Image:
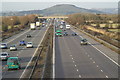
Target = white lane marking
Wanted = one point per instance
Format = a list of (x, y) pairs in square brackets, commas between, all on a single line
[(75, 65), (104, 54), (54, 54), (73, 61), (81, 37), (77, 70), (70, 55), (101, 70), (88, 55), (72, 58), (90, 58), (18, 36), (93, 61), (79, 76), (97, 66), (106, 76), (33, 55)]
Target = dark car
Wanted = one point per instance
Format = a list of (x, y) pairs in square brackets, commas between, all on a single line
[(28, 35), (65, 34), (21, 43), (74, 34)]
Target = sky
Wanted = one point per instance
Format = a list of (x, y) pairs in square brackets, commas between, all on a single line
[(14, 5), (60, 0)]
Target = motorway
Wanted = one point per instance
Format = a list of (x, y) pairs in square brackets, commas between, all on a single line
[(25, 54), (73, 60)]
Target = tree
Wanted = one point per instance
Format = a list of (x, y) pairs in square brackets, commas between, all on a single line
[(4, 27), (97, 25)]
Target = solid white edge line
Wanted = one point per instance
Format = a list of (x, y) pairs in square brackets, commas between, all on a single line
[(33, 54), (101, 52), (54, 54), (104, 54)]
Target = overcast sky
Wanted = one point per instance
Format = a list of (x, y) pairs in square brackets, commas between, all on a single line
[(14, 5), (60, 0)]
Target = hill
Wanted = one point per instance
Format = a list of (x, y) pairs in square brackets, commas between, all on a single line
[(62, 9)]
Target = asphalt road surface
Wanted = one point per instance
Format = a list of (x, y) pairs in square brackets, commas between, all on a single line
[(73, 60), (25, 54)]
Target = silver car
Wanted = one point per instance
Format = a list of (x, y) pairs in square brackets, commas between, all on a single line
[(83, 42), (4, 55)]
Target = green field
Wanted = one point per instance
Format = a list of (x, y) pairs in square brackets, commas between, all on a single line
[(114, 30), (103, 25)]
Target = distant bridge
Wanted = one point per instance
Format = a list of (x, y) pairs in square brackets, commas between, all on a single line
[(52, 17)]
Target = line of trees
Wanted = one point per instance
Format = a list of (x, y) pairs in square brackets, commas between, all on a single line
[(87, 18), (22, 21)]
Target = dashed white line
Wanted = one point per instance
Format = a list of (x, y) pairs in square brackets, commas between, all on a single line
[(90, 58), (93, 61), (73, 61), (77, 70), (79, 76), (104, 54), (70, 55), (72, 58), (106, 76), (75, 65), (101, 70), (97, 66)]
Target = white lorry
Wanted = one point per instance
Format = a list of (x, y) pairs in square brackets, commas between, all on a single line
[(67, 26), (37, 24), (32, 26)]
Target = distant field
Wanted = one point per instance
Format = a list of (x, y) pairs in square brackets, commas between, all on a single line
[(114, 30), (9, 27), (103, 25)]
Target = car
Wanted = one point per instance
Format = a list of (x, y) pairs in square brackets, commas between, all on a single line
[(61, 26), (22, 43), (83, 42), (4, 56), (29, 45), (74, 34), (58, 33), (65, 34), (28, 35), (13, 48), (13, 63), (3, 46)]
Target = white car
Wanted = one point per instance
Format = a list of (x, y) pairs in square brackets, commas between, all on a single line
[(67, 26), (61, 26), (3, 46), (13, 48), (29, 45), (4, 55)]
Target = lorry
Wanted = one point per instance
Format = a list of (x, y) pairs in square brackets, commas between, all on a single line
[(67, 26), (37, 24), (32, 26)]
